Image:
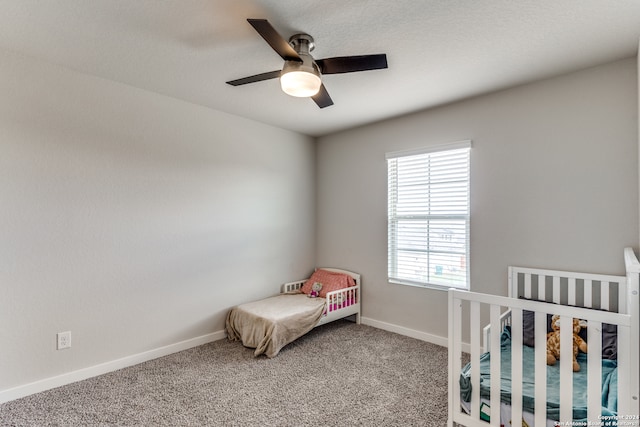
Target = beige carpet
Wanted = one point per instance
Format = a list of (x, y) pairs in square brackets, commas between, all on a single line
[(340, 374)]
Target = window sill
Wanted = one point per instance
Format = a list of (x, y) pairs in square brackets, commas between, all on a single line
[(425, 285)]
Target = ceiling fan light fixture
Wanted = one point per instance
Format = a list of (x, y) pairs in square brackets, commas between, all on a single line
[(300, 80), (300, 83)]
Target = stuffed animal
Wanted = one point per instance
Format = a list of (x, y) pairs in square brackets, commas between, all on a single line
[(553, 342), (315, 290)]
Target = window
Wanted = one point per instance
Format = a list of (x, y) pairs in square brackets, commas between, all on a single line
[(428, 217)]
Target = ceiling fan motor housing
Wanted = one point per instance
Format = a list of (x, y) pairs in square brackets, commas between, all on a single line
[(302, 44)]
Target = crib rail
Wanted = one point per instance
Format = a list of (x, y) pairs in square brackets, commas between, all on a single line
[(505, 320), (496, 306), (600, 291)]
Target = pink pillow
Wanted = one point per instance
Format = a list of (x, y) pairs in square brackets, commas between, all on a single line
[(330, 280)]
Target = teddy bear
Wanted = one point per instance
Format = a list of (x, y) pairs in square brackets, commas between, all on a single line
[(315, 290), (553, 342)]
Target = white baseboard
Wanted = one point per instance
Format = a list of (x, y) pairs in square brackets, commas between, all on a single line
[(103, 368), (423, 336)]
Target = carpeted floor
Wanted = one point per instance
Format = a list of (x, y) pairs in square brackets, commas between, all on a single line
[(340, 374)]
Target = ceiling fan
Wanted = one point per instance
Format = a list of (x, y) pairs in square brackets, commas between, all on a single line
[(301, 75)]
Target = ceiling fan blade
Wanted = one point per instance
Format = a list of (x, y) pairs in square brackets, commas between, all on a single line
[(350, 64), (322, 98), (275, 40), (256, 78)]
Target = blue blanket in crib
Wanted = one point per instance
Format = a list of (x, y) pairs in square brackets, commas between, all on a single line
[(609, 382)]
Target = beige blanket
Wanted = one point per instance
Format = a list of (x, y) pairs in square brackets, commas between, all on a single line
[(270, 324)]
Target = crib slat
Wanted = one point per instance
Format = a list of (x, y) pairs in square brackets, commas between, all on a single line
[(622, 300), (566, 369), (604, 296), (624, 361), (512, 277), (455, 354), (588, 293), (474, 319), (594, 374), (556, 289), (542, 287), (495, 365), (540, 370), (572, 290), (516, 367), (527, 286)]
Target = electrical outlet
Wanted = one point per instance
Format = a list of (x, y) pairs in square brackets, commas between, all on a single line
[(64, 340)]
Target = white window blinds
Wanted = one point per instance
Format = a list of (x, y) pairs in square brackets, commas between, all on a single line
[(428, 216)]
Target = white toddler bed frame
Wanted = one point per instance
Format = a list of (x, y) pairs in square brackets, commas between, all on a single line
[(339, 304), (595, 298)]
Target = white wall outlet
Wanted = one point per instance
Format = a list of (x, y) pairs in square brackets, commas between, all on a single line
[(64, 340)]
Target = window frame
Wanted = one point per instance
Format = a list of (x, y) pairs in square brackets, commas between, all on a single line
[(393, 275)]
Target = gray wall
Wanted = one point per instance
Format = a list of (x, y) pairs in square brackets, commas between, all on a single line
[(554, 183), (135, 220)]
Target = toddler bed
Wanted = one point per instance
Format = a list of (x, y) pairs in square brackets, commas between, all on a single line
[(271, 323), (605, 390)]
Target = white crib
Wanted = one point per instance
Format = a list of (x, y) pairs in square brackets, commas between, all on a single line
[(596, 298)]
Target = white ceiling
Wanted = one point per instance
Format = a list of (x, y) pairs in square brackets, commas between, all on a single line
[(438, 51)]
